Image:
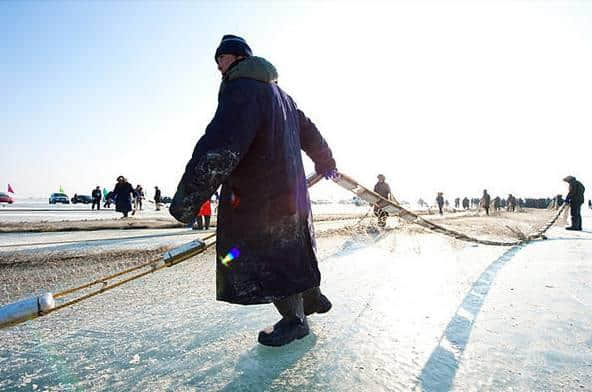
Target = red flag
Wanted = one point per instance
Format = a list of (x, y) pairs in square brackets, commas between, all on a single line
[(10, 190)]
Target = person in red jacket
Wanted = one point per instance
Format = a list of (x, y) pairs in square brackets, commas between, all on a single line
[(203, 216)]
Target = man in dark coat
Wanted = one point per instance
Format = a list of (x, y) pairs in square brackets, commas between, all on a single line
[(485, 201), (265, 247), (511, 203), (575, 199), (384, 190), (440, 202), (157, 198), (96, 198), (465, 203), (496, 203), (123, 193)]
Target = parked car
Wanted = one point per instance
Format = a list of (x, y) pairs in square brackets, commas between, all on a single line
[(4, 198), (166, 200), (59, 198), (85, 199)]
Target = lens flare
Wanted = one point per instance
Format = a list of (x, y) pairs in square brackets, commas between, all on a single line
[(233, 254)]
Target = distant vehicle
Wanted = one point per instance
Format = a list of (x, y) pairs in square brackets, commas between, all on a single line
[(59, 198), (85, 199), (166, 200), (4, 198)]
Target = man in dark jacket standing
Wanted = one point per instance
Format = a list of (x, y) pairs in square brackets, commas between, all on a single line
[(575, 199), (440, 202), (485, 201), (265, 247), (96, 198), (157, 198)]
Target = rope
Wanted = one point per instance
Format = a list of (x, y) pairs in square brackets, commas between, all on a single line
[(127, 271), (121, 282), (373, 198)]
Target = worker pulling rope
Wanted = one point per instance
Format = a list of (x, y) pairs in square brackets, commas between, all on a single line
[(31, 308)]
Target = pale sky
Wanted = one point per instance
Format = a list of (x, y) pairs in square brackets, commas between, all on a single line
[(438, 96)]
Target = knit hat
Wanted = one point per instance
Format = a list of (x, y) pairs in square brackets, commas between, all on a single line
[(569, 179), (232, 44)]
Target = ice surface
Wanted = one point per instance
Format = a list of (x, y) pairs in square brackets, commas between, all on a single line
[(410, 312)]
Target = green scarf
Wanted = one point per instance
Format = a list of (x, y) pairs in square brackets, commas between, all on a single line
[(256, 68)]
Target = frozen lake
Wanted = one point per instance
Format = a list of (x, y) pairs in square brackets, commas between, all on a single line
[(411, 312)]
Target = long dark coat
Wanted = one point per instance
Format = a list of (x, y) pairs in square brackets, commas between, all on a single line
[(265, 237), (576, 192), (123, 193)]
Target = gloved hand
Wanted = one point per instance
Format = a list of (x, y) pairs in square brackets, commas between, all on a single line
[(330, 174)]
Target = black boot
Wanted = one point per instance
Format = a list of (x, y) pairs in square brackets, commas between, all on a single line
[(315, 302), (292, 326)]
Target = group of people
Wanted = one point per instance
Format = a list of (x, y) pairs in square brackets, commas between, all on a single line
[(484, 202), (126, 198), (575, 198)]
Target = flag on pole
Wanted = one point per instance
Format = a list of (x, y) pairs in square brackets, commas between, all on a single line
[(10, 190), (61, 189)]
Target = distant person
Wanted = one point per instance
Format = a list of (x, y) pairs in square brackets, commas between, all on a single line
[(108, 200), (440, 202), (465, 203), (496, 204), (457, 202), (96, 198), (575, 199), (123, 193), (485, 201), (384, 190), (139, 191), (203, 216), (420, 202), (511, 203), (590, 204), (157, 198)]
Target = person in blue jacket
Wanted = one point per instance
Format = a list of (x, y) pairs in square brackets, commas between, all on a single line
[(266, 251)]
